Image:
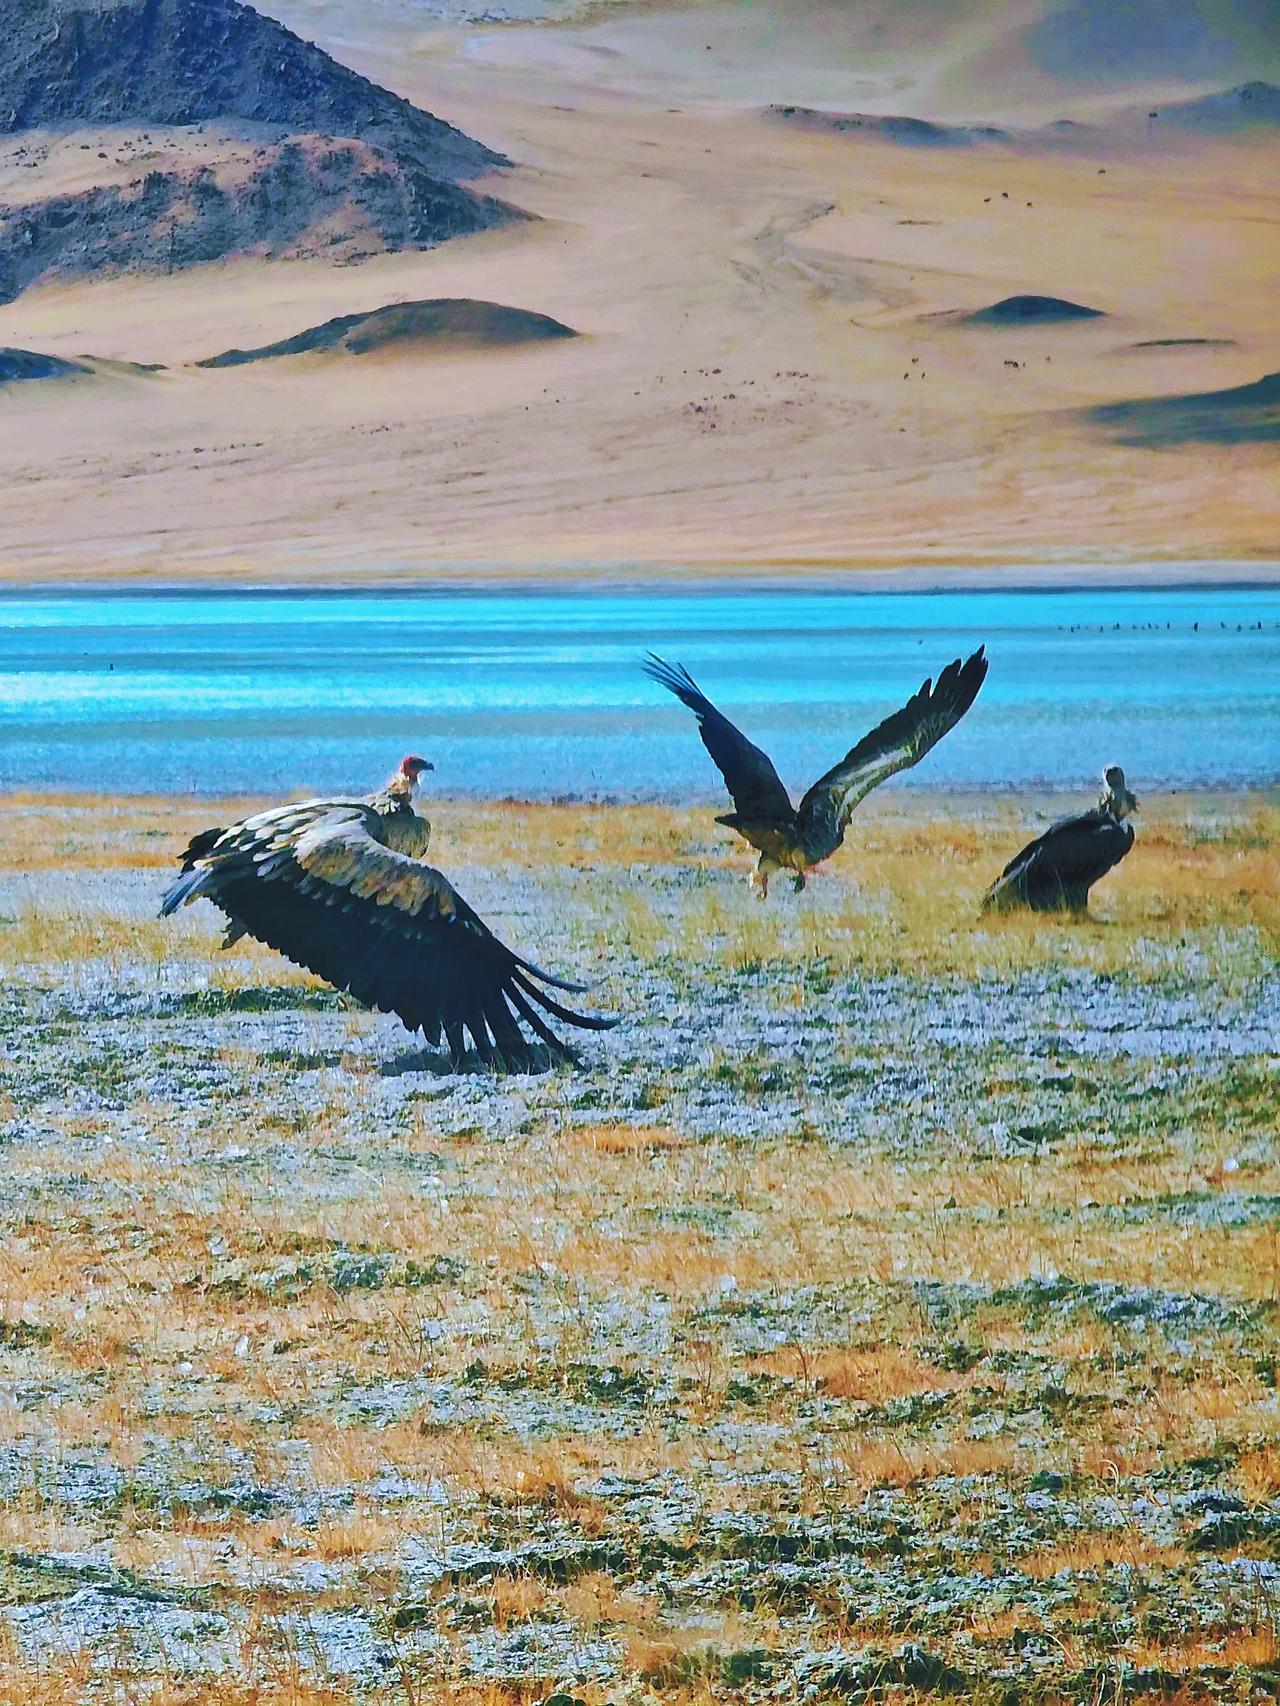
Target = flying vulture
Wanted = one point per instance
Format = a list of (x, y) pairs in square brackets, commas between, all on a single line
[(341, 887), (797, 840), (1055, 872)]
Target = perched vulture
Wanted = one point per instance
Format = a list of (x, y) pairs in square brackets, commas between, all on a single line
[(341, 887), (797, 840), (1055, 872)]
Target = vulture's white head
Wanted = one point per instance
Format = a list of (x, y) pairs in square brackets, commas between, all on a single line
[(1116, 797)]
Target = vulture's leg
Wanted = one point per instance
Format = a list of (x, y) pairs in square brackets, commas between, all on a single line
[(798, 882), (759, 878)]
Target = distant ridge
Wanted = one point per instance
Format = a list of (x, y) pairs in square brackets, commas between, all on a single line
[(914, 132), (445, 322), (1242, 414), (1248, 106), (1241, 109)]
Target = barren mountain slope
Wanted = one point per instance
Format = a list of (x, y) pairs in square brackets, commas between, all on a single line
[(92, 63), (776, 369), (201, 129)]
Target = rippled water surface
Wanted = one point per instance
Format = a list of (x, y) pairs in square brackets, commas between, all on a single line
[(540, 693)]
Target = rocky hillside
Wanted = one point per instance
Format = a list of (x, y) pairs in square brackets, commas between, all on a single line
[(304, 196), (176, 62), (236, 136)]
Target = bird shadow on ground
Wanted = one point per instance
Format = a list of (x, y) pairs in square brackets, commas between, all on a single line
[(438, 1065), (420, 1060)]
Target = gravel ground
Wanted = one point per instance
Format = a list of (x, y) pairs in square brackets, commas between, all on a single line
[(820, 1334)]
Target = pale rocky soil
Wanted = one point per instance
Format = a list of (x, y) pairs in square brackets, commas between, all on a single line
[(888, 1301)]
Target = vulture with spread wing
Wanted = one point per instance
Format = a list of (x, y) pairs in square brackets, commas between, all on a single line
[(341, 887), (1055, 872), (794, 839)]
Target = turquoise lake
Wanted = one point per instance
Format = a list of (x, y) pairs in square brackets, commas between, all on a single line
[(540, 694)]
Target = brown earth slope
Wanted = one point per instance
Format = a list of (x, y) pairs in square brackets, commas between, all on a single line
[(777, 370)]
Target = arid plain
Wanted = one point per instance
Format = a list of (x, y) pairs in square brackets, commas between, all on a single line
[(772, 368)]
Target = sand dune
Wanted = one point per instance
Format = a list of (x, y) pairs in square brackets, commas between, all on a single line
[(964, 60)]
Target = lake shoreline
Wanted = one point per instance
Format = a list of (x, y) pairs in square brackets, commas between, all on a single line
[(678, 580), (905, 804)]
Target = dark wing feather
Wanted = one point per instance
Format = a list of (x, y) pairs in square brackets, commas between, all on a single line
[(313, 882), (1056, 871), (897, 743), (748, 772)]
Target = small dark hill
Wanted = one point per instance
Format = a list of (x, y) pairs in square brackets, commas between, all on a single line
[(178, 62), (1029, 311), (21, 364), (909, 132), (1244, 414), (442, 323)]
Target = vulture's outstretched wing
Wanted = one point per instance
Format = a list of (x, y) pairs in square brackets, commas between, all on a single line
[(313, 882), (1055, 872), (748, 772), (900, 741)]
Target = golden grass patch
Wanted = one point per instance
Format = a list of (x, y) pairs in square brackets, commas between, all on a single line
[(870, 1375), (624, 1139)]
